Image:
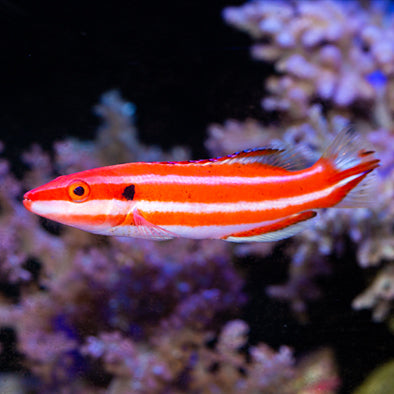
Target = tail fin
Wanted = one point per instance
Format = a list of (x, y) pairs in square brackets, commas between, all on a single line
[(353, 162)]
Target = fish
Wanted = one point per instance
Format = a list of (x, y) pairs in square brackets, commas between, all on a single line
[(261, 194)]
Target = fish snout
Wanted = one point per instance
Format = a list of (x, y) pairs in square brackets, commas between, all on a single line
[(28, 200)]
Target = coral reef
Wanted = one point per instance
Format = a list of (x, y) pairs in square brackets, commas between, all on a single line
[(105, 314), (369, 228), (333, 60), (112, 315), (330, 51)]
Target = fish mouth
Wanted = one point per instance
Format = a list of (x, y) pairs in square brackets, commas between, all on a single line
[(27, 202)]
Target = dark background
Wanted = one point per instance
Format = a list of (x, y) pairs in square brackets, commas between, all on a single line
[(177, 61), (184, 69)]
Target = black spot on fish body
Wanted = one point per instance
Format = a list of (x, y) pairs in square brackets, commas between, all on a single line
[(128, 192)]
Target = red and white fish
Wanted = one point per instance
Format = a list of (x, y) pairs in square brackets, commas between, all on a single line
[(256, 195)]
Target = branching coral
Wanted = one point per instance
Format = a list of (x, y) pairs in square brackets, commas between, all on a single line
[(379, 295), (116, 141), (96, 314), (123, 315), (369, 228), (142, 299), (340, 55), (183, 360), (322, 51)]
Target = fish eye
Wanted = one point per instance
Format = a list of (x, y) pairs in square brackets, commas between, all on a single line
[(78, 191)]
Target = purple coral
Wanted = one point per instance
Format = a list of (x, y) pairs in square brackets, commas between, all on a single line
[(84, 324), (323, 50), (129, 315), (339, 54)]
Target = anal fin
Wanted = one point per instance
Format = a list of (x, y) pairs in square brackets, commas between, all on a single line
[(274, 231)]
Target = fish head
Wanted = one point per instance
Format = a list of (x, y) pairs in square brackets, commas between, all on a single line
[(82, 200)]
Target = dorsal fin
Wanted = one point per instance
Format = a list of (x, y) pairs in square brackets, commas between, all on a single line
[(273, 156)]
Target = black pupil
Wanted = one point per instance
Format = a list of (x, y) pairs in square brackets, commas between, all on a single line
[(79, 191)]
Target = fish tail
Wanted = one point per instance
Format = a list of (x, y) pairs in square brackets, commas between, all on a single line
[(352, 163)]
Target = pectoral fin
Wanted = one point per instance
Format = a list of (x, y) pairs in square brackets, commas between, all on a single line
[(274, 231), (148, 230)]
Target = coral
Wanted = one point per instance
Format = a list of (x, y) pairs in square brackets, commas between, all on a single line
[(183, 360), (330, 51), (15, 225), (379, 295), (235, 136), (119, 315), (116, 141), (369, 228), (134, 299), (102, 314), (88, 286), (338, 54)]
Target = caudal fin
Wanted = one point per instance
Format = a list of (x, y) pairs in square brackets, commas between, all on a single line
[(353, 163)]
